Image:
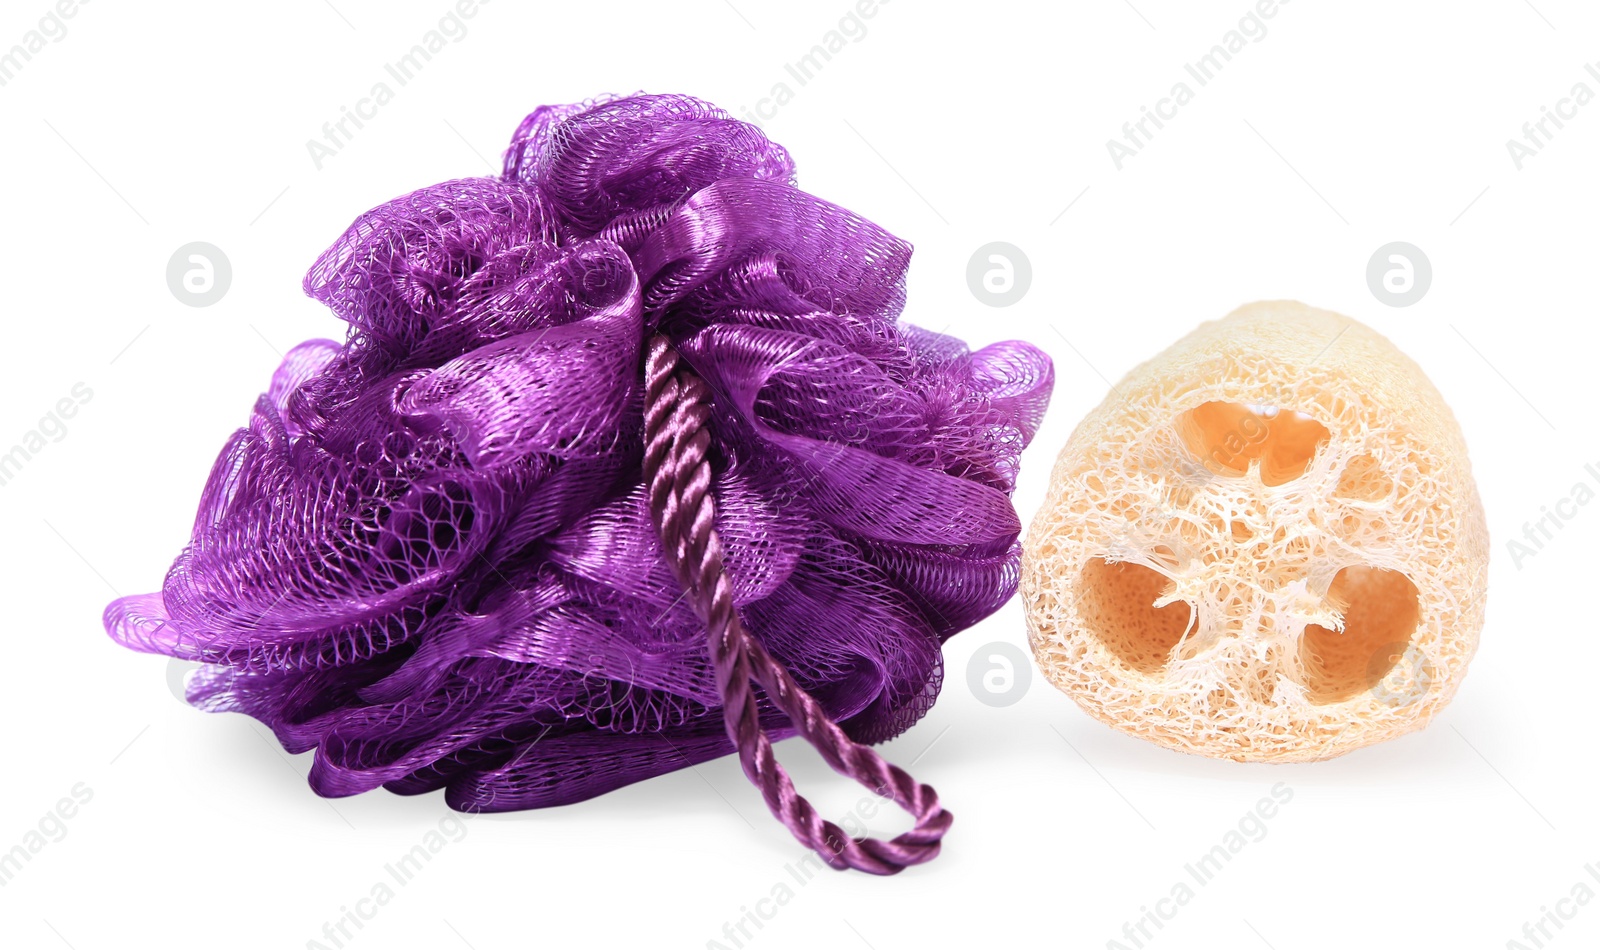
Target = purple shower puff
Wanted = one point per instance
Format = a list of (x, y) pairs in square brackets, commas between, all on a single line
[(429, 555)]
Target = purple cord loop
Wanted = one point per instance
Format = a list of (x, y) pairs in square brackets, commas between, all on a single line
[(677, 413), (475, 548)]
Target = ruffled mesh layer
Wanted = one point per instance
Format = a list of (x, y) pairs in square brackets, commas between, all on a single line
[(428, 556)]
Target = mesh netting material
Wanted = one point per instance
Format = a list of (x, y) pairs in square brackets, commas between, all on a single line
[(429, 556)]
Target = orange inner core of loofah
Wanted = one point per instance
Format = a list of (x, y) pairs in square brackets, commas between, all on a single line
[(1380, 615), (1117, 603), (1379, 607), (1229, 437)]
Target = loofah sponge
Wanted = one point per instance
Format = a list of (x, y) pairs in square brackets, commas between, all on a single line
[(1265, 544)]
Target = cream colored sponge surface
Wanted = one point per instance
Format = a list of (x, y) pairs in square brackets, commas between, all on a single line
[(1265, 544)]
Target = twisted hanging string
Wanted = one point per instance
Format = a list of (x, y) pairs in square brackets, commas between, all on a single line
[(679, 477)]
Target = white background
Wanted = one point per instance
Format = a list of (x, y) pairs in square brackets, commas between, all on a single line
[(1347, 126)]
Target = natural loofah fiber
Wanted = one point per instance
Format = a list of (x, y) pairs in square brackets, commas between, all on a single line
[(1264, 545)]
